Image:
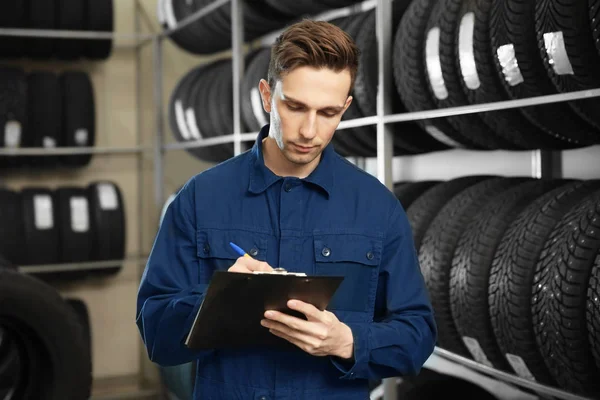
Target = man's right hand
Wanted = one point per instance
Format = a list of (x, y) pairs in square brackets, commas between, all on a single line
[(249, 265)]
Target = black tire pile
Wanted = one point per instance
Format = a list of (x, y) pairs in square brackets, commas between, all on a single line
[(45, 341), (446, 53), (512, 265), (78, 15), (212, 32), (69, 224), (43, 109)]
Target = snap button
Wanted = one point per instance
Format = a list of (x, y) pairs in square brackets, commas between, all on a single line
[(253, 251), (370, 255), (206, 248), (288, 187), (326, 252)]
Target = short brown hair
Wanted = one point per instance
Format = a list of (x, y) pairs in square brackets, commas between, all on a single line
[(315, 44)]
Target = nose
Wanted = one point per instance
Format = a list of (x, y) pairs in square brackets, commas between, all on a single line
[(308, 129)]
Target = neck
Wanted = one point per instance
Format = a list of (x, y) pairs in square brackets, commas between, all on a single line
[(281, 166)]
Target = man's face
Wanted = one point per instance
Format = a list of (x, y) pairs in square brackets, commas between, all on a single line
[(305, 109)]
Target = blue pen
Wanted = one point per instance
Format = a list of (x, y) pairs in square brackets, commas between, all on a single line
[(239, 250)]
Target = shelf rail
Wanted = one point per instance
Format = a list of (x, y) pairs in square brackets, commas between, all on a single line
[(78, 266), (504, 376), (57, 151), (409, 116)]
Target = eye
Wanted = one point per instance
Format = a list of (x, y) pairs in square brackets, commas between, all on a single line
[(329, 115), (293, 108)]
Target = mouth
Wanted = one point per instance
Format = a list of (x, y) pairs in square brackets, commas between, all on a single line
[(303, 149)]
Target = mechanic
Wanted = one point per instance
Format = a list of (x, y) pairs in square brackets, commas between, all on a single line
[(292, 202)]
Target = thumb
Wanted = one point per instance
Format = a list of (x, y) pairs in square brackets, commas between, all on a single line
[(256, 265)]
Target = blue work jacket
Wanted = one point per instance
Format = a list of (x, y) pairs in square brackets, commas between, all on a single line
[(339, 220)]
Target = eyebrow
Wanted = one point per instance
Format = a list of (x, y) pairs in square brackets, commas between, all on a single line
[(331, 108)]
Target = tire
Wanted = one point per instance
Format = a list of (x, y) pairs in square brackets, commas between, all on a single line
[(45, 116), (512, 274), (43, 14), (471, 266), (108, 225), (79, 115), (407, 135), (573, 66), (424, 209), (408, 193), (523, 75), (409, 74), (12, 235), (482, 85), (595, 21), (54, 362), (99, 17), (560, 286), (39, 219), (83, 317), (593, 311), (13, 112), (438, 248), (443, 79), (71, 16)]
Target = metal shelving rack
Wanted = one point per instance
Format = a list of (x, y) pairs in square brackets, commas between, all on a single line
[(543, 163)]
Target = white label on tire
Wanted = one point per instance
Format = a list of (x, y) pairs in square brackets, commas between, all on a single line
[(12, 134), (180, 119), (81, 136), (42, 210), (466, 55), (257, 108), (170, 14), (510, 65), (518, 364), (49, 142), (107, 196), (434, 66), (476, 351), (442, 137), (190, 117), (160, 11), (557, 53), (80, 220)]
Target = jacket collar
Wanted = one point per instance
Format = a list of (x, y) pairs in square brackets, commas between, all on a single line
[(262, 177)]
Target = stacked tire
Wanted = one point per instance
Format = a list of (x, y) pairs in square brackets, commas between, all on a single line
[(212, 32), (78, 15), (42, 109), (42, 226), (512, 265), (45, 341)]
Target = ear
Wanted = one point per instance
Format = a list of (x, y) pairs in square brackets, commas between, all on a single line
[(265, 94), (348, 102)]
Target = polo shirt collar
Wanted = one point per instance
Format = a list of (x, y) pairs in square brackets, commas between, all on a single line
[(262, 177)]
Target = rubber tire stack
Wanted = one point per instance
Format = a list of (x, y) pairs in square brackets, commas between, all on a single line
[(512, 265)]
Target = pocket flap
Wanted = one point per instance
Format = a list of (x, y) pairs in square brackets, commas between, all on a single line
[(347, 248), (214, 243)]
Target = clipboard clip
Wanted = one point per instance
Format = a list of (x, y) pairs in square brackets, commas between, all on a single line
[(279, 271)]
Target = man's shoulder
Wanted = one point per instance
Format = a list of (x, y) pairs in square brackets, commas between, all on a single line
[(225, 171), (355, 179)]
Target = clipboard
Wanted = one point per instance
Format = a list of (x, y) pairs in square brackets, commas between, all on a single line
[(235, 303)]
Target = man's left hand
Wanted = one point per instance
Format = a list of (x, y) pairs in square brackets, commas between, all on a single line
[(321, 335)]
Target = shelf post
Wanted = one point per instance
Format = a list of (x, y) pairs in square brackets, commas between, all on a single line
[(384, 31), (383, 24), (237, 41), (546, 164), (158, 111)]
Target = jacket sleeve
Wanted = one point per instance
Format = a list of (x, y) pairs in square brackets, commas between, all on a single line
[(403, 334), (170, 294)]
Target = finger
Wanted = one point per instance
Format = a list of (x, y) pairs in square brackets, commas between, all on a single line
[(254, 265), (308, 348), (291, 321), (303, 336), (307, 309)]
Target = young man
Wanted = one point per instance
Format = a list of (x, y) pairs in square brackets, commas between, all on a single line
[(292, 202)]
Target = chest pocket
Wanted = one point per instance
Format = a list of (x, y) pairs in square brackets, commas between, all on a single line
[(216, 254), (356, 258)]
